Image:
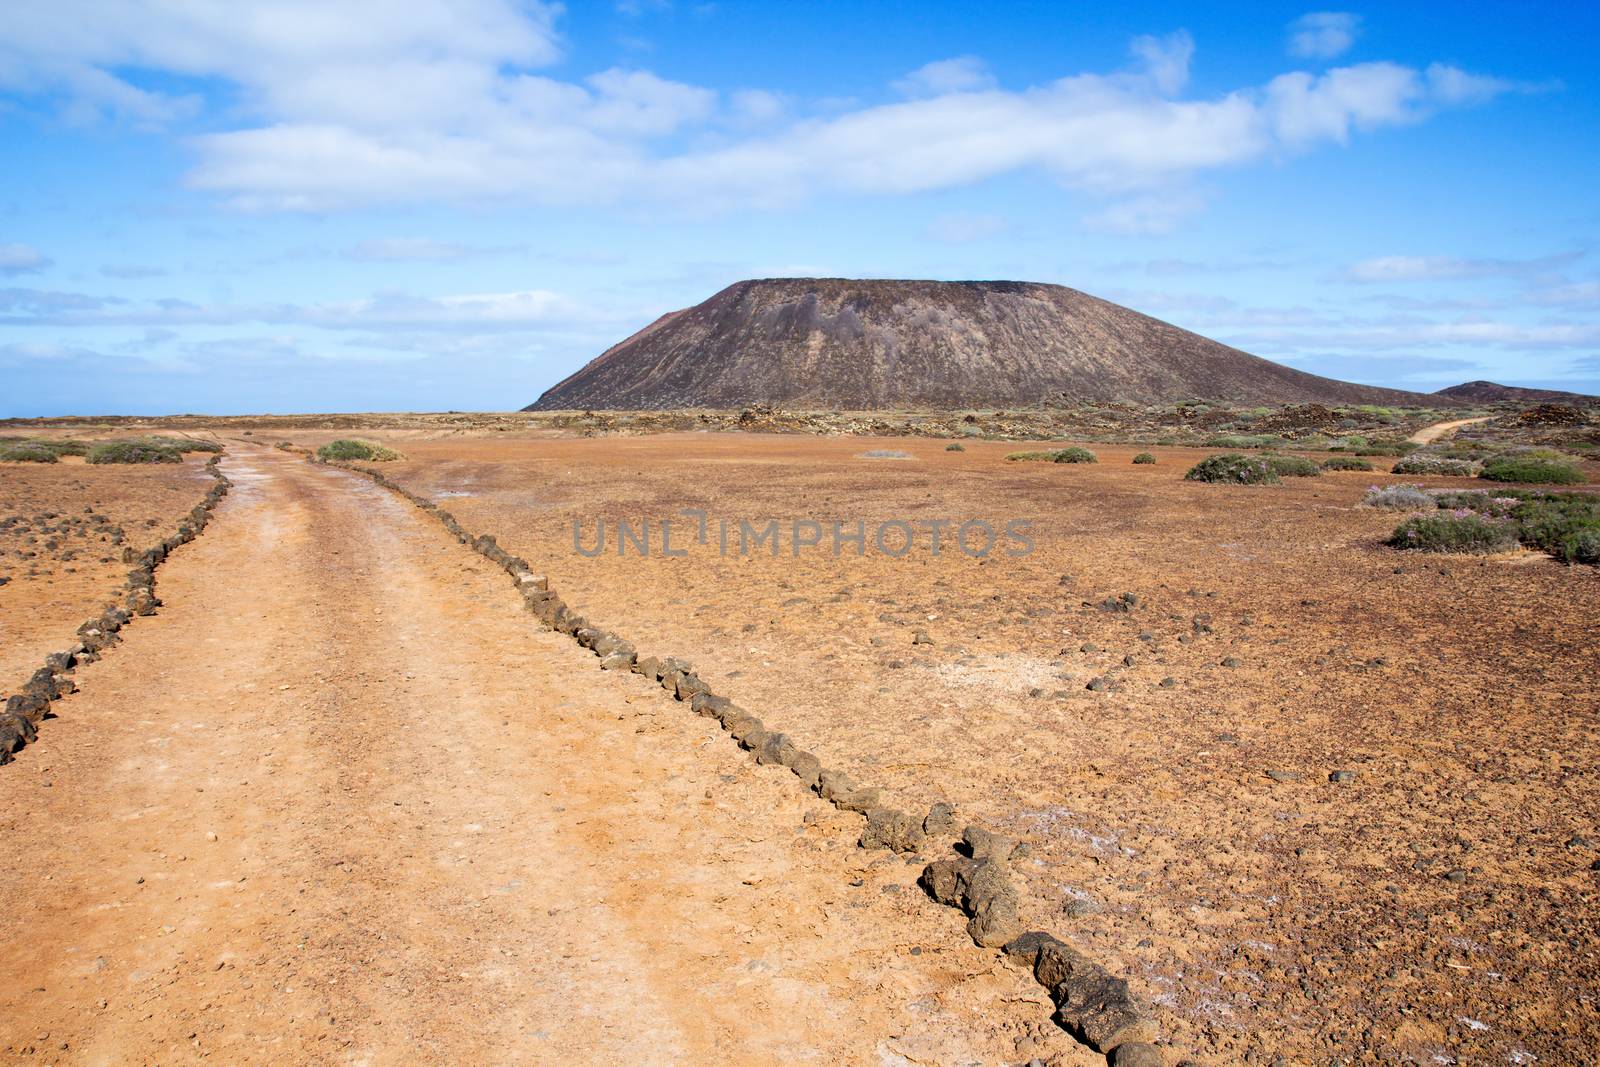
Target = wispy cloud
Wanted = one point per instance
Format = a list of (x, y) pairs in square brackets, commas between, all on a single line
[(1151, 215), (1387, 269), (1323, 34), (1173, 267), (132, 271), (959, 227), (422, 250), (21, 259), (963, 74), (42, 302), (1570, 294), (437, 101), (383, 311)]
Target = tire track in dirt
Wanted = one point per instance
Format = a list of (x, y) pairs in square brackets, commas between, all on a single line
[(339, 802), (1429, 434)]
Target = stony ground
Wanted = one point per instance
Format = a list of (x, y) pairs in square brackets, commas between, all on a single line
[(342, 801), (1324, 801), (63, 528)]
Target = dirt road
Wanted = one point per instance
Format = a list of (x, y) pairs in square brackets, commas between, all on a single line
[(342, 801), (1429, 434)]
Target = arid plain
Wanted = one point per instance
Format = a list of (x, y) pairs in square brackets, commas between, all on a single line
[(1188, 830), (1316, 798)]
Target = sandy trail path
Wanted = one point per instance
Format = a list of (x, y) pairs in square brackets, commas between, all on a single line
[(342, 801), (1429, 434)]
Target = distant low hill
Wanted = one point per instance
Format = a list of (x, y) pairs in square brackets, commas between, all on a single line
[(1494, 393), (834, 343)]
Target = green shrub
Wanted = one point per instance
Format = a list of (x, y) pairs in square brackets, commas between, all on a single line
[(1057, 455), (1346, 463), (955, 446), (1554, 521), (347, 448), (1260, 440), (63, 448), (1532, 470), (1566, 525), (1405, 497), (1233, 468), (27, 452), (1432, 463), (132, 452), (1455, 531), (175, 444), (1293, 466), (1582, 546), (1144, 457), (44, 444)]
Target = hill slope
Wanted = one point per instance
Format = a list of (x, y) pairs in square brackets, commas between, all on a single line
[(1481, 392), (862, 345)]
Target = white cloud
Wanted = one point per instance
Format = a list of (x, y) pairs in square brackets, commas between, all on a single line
[(958, 227), (1402, 333), (1155, 214), (419, 250), (1572, 294), (394, 311), (358, 61), (21, 259), (365, 103), (383, 311), (1166, 59), (46, 301), (1384, 269), (1451, 85), (132, 271), (755, 107), (962, 74), (1323, 34)]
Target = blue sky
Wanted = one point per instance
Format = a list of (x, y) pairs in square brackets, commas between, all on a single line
[(364, 206)]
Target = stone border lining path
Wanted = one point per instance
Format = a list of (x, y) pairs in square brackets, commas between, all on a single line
[(24, 710), (1092, 1004)]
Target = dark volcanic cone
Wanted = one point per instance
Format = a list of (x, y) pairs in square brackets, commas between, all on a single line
[(833, 343)]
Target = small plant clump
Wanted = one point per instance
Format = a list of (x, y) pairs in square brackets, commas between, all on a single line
[(132, 452), (1234, 469), (1432, 463), (1258, 440), (31, 447), (180, 444), (27, 452), (1293, 466), (1532, 470), (1058, 455), (348, 448), (1566, 525), (1581, 547), (1401, 497), (63, 448), (1346, 463), (1456, 531), (1143, 458), (955, 446)]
